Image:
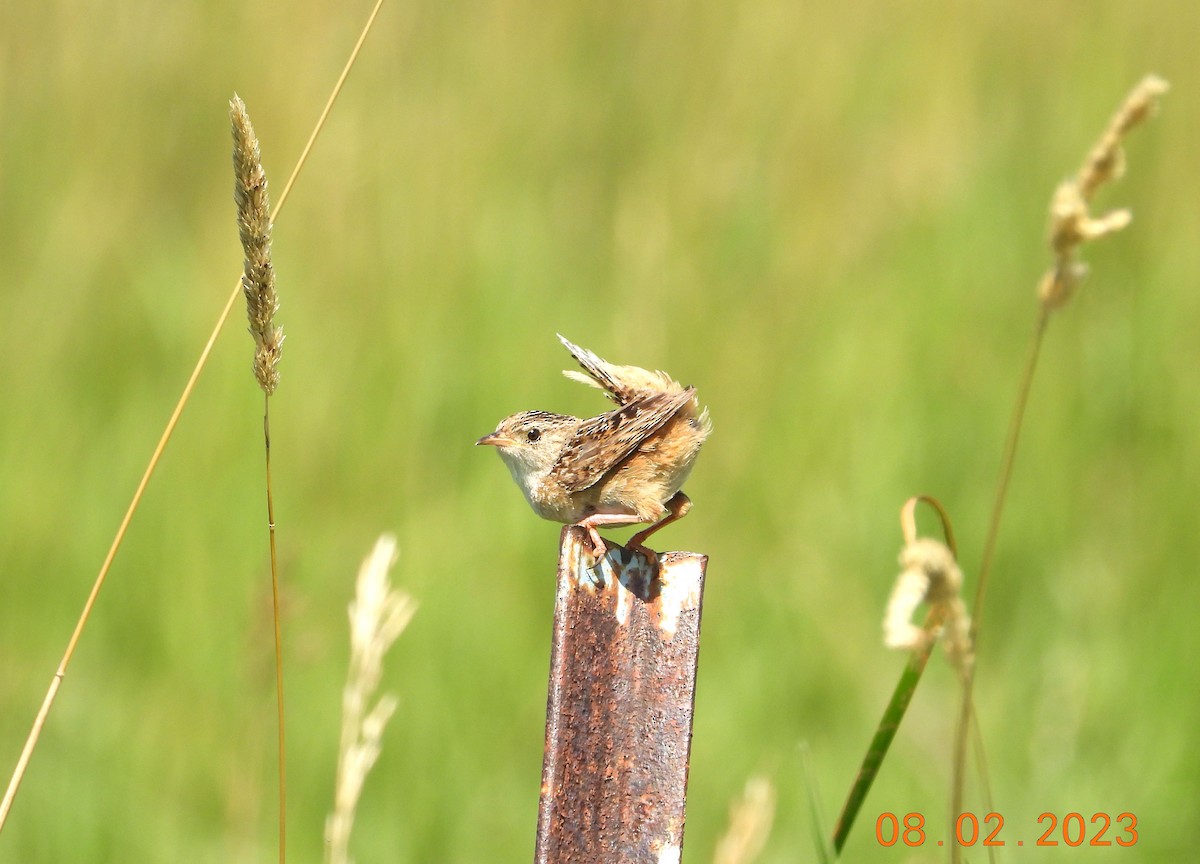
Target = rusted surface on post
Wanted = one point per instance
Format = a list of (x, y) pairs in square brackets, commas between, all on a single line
[(619, 712)]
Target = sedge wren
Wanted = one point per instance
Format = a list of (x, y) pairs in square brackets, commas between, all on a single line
[(619, 468)]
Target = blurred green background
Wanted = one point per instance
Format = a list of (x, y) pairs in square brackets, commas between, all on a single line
[(829, 217)]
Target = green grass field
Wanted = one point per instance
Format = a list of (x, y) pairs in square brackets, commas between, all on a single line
[(828, 217)]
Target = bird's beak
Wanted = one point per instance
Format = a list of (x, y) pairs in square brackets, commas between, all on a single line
[(495, 439)]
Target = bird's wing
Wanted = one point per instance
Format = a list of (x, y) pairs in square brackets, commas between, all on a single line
[(602, 442), (622, 384)]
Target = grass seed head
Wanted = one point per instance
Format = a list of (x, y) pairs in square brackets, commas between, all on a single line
[(1071, 221), (254, 230)]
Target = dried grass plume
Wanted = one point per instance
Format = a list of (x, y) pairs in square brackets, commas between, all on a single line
[(378, 615), (750, 820), (1071, 222), (929, 574), (254, 229)]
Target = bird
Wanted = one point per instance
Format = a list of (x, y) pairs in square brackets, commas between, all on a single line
[(626, 466)]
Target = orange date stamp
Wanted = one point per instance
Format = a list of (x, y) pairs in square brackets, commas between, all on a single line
[(1068, 829)]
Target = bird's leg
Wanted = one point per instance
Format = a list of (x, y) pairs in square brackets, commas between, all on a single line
[(597, 519), (677, 507)]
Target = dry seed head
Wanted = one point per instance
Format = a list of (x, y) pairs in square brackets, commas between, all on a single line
[(378, 615), (750, 819), (1106, 162), (929, 574), (254, 230), (1071, 223)]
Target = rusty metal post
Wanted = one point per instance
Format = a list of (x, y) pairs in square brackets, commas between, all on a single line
[(619, 710)]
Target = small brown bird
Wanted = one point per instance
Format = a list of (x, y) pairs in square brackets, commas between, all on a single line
[(619, 468)]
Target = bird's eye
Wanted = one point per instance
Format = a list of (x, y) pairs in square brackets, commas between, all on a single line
[(534, 434)]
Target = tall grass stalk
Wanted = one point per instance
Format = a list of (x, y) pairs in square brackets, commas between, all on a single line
[(262, 303), (39, 721), (931, 574), (1071, 226)]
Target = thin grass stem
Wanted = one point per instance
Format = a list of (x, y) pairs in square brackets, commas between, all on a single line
[(1007, 461), (278, 636), (40, 721)]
